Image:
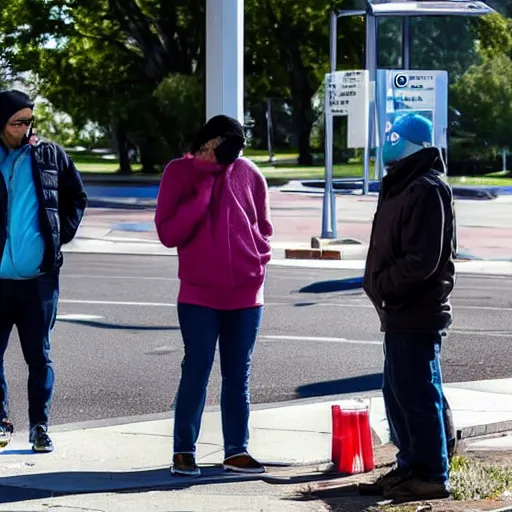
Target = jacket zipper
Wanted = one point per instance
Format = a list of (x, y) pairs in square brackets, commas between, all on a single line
[(9, 203)]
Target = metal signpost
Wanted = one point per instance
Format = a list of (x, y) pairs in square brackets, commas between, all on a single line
[(346, 94)]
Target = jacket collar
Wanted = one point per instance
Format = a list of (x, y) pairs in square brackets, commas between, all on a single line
[(404, 172)]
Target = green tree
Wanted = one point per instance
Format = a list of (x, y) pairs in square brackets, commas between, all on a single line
[(494, 34), (181, 100), (484, 96), (437, 43), (106, 59), (54, 125), (288, 49)]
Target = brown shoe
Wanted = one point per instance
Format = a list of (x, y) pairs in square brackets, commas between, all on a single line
[(416, 489), (243, 463), (389, 479), (184, 464), (6, 431)]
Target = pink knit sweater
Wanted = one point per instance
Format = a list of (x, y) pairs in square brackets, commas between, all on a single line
[(219, 219)]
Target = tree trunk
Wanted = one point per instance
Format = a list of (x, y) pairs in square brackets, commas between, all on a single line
[(122, 151), (303, 120), (146, 157)]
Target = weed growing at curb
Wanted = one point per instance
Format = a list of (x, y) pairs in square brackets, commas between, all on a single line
[(472, 480)]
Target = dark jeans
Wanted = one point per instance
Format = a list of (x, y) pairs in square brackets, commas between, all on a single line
[(31, 306), (236, 332), (415, 403)]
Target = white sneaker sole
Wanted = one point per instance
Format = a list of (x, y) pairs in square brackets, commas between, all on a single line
[(247, 471), (42, 450), (184, 472)]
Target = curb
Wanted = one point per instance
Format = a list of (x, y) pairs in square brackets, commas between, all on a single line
[(489, 430), (118, 205), (89, 178), (312, 254), (355, 184)]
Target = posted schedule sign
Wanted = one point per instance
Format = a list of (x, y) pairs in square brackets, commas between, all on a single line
[(347, 94)]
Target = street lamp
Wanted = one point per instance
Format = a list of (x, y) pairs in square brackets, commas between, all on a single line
[(372, 10)]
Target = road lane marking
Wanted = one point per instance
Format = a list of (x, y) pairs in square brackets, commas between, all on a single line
[(118, 303), (141, 278), (142, 304), (291, 304), (319, 339), (78, 317), (482, 333)]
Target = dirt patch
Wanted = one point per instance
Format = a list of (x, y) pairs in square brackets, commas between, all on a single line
[(481, 481)]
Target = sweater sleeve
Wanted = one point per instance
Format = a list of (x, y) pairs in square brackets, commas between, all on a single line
[(263, 207), (176, 218)]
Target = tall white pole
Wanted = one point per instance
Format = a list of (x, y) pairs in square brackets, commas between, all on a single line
[(225, 58)]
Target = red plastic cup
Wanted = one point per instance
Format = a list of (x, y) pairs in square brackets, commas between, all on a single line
[(352, 450), (366, 441), (336, 439)]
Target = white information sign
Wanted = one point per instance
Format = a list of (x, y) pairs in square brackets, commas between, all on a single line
[(348, 94)]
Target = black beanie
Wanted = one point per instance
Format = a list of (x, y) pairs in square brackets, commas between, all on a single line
[(218, 126), (11, 102)]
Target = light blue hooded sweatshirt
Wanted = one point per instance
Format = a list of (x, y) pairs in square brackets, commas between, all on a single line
[(24, 247)]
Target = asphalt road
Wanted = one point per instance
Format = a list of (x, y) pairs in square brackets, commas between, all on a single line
[(117, 348)]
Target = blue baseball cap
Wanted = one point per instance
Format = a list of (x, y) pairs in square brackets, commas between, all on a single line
[(409, 134), (415, 128)]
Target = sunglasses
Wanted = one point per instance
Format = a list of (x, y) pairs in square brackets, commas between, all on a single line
[(22, 122)]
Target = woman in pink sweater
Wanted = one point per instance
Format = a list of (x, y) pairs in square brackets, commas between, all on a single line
[(213, 206)]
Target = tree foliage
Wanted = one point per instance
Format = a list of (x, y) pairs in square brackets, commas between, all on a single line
[(484, 95), (288, 49), (136, 67)]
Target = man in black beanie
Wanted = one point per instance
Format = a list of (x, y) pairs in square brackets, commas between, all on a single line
[(42, 202)]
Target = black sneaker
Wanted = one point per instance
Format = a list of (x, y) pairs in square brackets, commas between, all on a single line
[(184, 464), (41, 442), (416, 489), (379, 487), (243, 463), (6, 431)]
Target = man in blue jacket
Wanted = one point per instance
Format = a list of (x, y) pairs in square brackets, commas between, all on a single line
[(409, 277), (42, 202)]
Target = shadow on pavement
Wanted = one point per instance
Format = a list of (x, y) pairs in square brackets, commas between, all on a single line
[(371, 382), (23, 451), (36, 486), (121, 327), (334, 285), (10, 494)]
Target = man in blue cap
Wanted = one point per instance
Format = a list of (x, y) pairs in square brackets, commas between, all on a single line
[(42, 201), (409, 277)]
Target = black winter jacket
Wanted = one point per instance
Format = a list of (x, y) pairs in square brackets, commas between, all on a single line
[(62, 201), (410, 272)]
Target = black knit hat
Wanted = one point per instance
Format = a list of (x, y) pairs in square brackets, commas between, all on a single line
[(11, 102), (218, 126)]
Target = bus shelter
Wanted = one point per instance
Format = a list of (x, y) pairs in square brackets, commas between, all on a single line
[(373, 10)]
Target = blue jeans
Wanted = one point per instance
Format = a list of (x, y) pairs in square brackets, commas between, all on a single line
[(415, 403), (236, 332), (31, 306)]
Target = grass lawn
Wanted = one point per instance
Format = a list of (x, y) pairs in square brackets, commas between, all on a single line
[(283, 169)]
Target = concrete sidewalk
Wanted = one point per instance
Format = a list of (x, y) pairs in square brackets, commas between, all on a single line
[(135, 456), (484, 227), (100, 241)]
